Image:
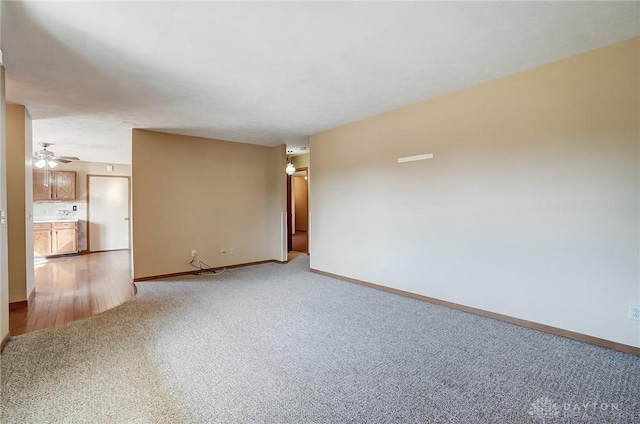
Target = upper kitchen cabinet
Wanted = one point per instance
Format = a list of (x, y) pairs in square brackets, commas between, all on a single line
[(62, 186), (40, 191)]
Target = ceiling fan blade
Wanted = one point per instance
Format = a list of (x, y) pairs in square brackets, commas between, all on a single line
[(60, 160), (68, 157)]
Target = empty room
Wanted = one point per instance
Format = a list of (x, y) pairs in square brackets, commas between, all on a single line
[(319, 212)]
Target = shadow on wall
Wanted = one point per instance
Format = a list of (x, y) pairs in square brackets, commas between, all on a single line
[(20, 28)]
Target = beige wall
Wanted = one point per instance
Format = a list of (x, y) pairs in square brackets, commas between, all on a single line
[(84, 168), (18, 127), (301, 203), (530, 207), (195, 193), (4, 266), (301, 161)]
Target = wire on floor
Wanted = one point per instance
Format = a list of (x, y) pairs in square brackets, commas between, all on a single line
[(205, 271)]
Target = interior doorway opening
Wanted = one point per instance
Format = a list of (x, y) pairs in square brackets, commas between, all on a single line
[(298, 203)]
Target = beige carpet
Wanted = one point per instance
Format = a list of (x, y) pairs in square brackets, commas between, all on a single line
[(276, 344)]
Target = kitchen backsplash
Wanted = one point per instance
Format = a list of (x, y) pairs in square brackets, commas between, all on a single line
[(64, 210)]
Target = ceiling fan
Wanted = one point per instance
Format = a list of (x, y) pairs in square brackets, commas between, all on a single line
[(47, 159)]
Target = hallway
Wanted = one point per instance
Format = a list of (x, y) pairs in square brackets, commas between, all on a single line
[(300, 241), (69, 288)]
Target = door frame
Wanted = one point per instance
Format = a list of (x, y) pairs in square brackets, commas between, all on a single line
[(290, 229), (89, 210), (289, 215)]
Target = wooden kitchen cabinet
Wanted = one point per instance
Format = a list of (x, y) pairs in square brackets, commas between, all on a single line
[(62, 185), (65, 238), (42, 237), (55, 238), (40, 191)]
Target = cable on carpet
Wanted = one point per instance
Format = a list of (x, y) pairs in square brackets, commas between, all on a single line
[(205, 271)]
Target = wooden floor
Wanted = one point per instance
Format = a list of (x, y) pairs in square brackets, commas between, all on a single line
[(300, 241), (70, 288)]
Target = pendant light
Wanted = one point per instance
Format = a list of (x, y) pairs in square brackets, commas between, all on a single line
[(290, 169)]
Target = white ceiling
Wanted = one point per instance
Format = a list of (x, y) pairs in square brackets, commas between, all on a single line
[(269, 73)]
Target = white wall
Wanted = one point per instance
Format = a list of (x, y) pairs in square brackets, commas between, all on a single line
[(530, 207)]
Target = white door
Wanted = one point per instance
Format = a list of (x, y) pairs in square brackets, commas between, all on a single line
[(108, 213)]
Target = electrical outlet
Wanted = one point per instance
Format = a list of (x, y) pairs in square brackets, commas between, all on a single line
[(232, 250), (634, 312), (223, 252)]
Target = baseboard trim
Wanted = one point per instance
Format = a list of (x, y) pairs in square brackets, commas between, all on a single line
[(32, 296), (5, 340), (196, 271), (102, 251), (18, 305), (506, 318)]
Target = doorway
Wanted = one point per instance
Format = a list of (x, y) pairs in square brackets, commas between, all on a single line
[(108, 213), (299, 182)]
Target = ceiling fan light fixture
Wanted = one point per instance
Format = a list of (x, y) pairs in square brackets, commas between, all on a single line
[(46, 159)]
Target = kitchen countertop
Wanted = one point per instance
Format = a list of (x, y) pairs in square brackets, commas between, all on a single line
[(43, 220)]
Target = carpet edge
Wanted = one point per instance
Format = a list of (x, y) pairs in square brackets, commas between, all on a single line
[(619, 347)]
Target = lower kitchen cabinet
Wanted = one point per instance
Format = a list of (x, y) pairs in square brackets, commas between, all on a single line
[(55, 238), (42, 237)]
